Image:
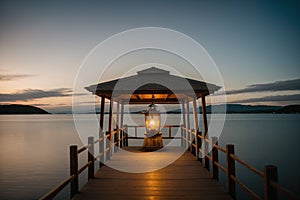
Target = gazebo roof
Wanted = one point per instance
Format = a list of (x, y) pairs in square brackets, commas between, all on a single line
[(152, 85)]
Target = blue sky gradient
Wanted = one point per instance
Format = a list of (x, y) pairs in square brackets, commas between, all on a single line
[(42, 43)]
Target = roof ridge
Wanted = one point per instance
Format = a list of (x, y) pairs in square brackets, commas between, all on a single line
[(153, 70)]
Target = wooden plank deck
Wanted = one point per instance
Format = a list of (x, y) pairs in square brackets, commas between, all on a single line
[(183, 179)]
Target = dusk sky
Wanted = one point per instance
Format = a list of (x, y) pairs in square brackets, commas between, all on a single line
[(255, 44)]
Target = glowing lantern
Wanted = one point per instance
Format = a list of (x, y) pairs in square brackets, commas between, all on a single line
[(152, 120)]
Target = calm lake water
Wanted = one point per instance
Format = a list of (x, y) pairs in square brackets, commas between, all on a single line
[(34, 151)]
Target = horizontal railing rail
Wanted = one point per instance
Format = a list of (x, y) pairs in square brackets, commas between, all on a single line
[(136, 127), (269, 176)]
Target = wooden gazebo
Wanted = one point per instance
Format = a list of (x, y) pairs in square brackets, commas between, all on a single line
[(153, 85)]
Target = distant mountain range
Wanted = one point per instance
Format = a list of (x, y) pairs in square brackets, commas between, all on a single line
[(17, 109), (238, 108)]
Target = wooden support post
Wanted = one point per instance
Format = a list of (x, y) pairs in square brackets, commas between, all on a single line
[(91, 169), (215, 158), (230, 164), (188, 125), (183, 132), (74, 170), (122, 143), (270, 174), (195, 117), (118, 124), (205, 126), (204, 115), (102, 112), (110, 129), (101, 131), (126, 140), (122, 115)]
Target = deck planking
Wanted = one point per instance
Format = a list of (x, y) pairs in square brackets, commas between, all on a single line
[(183, 179)]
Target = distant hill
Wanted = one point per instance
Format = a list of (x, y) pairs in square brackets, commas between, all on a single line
[(17, 109), (289, 109)]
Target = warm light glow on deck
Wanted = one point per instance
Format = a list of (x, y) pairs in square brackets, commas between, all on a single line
[(152, 185)]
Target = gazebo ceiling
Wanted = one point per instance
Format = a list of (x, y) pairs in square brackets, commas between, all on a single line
[(152, 85)]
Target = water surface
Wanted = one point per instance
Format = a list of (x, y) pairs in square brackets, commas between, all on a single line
[(34, 150)]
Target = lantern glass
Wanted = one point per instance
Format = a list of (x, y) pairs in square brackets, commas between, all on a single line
[(152, 120)]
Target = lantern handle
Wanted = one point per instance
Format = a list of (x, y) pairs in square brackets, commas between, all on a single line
[(152, 104)]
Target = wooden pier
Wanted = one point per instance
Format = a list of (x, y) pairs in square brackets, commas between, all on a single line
[(186, 178), (183, 179)]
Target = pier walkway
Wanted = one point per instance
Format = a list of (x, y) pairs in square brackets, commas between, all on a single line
[(183, 179)]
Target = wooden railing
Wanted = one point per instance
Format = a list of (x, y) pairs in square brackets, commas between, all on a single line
[(135, 132), (106, 149), (198, 143)]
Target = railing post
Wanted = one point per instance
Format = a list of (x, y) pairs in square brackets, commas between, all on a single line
[(215, 158), (181, 132), (230, 164), (108, 145), (192, 139), (124, 134), (270, 174), (112, 145), (73, 170), (115, 139), (198, 144), (205, 150), (126, 140), (121, 136), (188, 140), (135, 131), (101, 148), (91, 169)]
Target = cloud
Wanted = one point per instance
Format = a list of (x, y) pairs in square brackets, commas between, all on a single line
[(87, 102), (30, 94), (293, 84), (277, 98), (11, 77), (40, 104), (81, 94)]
